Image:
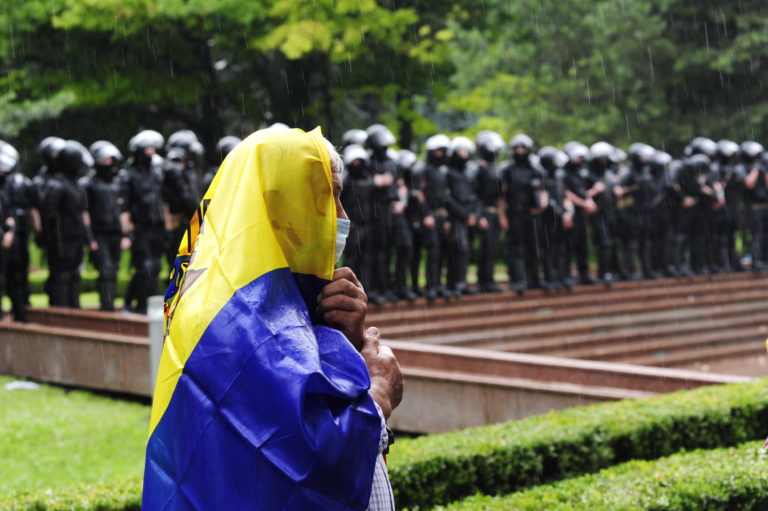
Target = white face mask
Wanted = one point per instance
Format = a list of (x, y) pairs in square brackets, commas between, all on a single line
[(342, 231)]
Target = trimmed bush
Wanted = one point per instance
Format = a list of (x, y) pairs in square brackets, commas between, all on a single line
[(118, 496), (721, 479), (502, 458)]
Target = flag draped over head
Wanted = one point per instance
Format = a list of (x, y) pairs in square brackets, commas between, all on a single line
[(256, 407)]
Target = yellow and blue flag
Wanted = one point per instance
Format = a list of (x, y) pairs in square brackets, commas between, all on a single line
[(256, 406)]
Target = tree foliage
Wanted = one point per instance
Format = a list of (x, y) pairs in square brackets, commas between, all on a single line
[(652, 70)]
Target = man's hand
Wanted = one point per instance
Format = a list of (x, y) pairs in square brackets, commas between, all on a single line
[(342, 304), (429, 221), (93, 246), (483, 224), (125, 243), (7, 240), (386, 378)]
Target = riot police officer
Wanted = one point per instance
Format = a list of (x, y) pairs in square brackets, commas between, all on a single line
[(144, 202), (223, 147), (557, 219), (488, 188), (578, 180), (652, 200), (105, 202), (525, 199), (357, 197), (432, 178), (756, 184), (65, 225), (604, 221), (17, 192), (630, 219), (389, 202), (729, 222), (408, 168), (354, 137), (462, 205)]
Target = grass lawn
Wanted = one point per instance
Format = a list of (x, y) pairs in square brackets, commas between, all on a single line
[(53, 437)]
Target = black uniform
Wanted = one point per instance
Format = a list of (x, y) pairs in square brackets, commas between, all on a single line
[(356, 197), (488, 187), (391, 230), (578, 180), (605, 221), (181, 192), (461, 203), (105, 201), (522, 186), (757, 198), (629, 220), (144, 202), (732, 176), (552, 245), (65, 235), (431, 179), (22, 199), (652, 200), (5, 214), (692, 235)]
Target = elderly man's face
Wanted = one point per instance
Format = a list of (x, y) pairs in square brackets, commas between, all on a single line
[(337, 187)]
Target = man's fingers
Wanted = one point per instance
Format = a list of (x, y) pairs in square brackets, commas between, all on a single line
[(341, 302), (371, 340), (346, 273), (345, 287)]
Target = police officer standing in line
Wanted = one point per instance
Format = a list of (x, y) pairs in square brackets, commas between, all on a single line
[(653, 202), (65, 225), (223, 147), (728, 219), (524, 201), (181, 187), (105, 202), (488, 188), (630, 220), (389, 222), (144, 202), (357, 197), (407, 166), (756, 184), (462, 206), (16, 200), (604, 221), (432, 178), (578, 180), (557, 219)]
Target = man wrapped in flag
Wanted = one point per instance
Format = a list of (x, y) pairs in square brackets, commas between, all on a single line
[(258, 405)]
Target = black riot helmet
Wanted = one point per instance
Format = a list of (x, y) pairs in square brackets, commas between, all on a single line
[(601, 156), (726, 150), (521, 146), (49, 148), (379, 138), (640, 154), (225, 146), (187, 141), (73, 158), (107, 158), (702, 145), (176, 159), (459, 152), (437, 149), (9, 158), (552, 158), (354, 136), (577, 152), (698, 164), (355, 159), (751, 150), (659, 162), (406, 159), (489, 145), (144, 145)]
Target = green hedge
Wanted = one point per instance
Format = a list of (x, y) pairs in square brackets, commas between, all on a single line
[(721, 479), (502, 458), (118, 496)]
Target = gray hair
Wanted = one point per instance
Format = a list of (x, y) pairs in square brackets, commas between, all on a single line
[(337, 165)]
